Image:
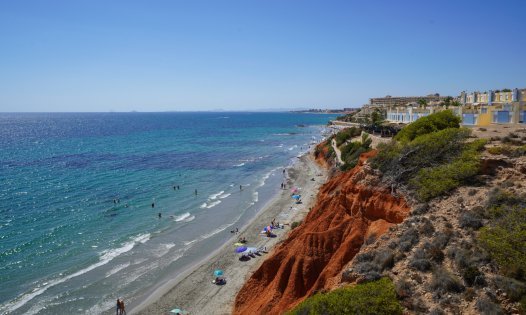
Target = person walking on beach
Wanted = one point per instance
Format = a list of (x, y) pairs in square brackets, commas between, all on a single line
[(118, 308), (196, 192), (240, 187), (123, 309)]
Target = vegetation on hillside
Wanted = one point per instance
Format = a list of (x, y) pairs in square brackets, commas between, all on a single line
[(346, 134), (377, 297), (432, 156), (505, 236), (350, 152), (428, 124)]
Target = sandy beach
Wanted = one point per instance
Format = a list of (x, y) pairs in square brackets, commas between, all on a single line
[(194, 291)]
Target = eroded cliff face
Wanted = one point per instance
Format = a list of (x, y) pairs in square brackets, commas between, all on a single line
[(350, 208)]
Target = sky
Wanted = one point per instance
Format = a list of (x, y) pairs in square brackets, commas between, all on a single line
[(99, 56)]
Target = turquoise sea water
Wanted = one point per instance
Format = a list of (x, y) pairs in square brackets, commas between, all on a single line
[(66, 246)]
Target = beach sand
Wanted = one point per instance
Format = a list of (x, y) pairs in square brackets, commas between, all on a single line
[(194, 291)]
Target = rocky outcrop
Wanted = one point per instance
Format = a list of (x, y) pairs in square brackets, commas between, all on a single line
[(351, 208)]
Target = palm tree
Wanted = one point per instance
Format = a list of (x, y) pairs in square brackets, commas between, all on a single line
[(422, 102)]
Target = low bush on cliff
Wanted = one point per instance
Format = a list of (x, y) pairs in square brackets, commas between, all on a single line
[(425, 125), (505, 236), (346, 134), (431, 156), (376, 297), (434, 181), (350, 153)]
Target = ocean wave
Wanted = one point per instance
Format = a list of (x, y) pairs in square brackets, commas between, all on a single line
[(208, 235), (181, 217), (239, 165), (213, 204), (117, 269), (255, 196), (214, 196), (224, 196), (190, 219), (104, 258), (202, 206), (163, 249), (292, 147)]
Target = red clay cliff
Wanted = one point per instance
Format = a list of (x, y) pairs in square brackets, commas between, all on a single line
[(350, 208)]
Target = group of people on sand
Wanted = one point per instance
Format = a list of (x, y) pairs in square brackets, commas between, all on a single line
[(120, 309)]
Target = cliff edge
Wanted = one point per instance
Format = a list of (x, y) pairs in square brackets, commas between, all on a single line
[(351, 208)]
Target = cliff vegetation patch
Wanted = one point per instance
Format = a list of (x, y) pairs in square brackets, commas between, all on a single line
[(376, 297), (430, 156)]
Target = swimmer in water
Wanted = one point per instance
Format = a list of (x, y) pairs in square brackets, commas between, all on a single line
[(160, 215), (153, 204)]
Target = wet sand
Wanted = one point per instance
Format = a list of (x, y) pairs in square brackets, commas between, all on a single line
[(194, 291)]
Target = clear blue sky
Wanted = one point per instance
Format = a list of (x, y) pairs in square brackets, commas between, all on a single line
[(204, 55)]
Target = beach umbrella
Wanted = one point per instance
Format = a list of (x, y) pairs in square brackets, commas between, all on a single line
[(294, 189), (218, 272), (241, 249), (297, 197), (267, 228)]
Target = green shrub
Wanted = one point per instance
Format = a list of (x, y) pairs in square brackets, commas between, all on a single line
[(346, 134), (431, 155), (495, 150), (425, 125), (505, 240), (295, 224), (434, 181), (376, 297), (400, 162), (350, 152)]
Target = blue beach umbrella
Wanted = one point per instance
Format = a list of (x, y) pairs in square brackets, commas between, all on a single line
[(218, 272), (241, 249), (297, 197)]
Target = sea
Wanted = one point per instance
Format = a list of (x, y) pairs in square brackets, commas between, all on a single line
[(97, 206)]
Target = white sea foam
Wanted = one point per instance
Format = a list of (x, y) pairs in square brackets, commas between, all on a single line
[(117, 269), (239, 165), (213, 204), (292, 147), (190, 218), (163, 249), (182, 217), (255, 196), (224, 196), (214, 196), (203, 206), (208, 235), (105, 257)]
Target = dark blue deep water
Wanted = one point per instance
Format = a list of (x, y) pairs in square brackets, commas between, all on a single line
[(77, 229)]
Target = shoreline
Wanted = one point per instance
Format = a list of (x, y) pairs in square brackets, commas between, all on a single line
[(193, 291)]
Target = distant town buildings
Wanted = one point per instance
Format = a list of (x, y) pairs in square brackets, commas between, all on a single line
[(493, 107), (476, 108), (390, 101)]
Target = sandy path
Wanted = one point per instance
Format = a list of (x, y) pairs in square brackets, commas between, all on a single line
[(195, 292)]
